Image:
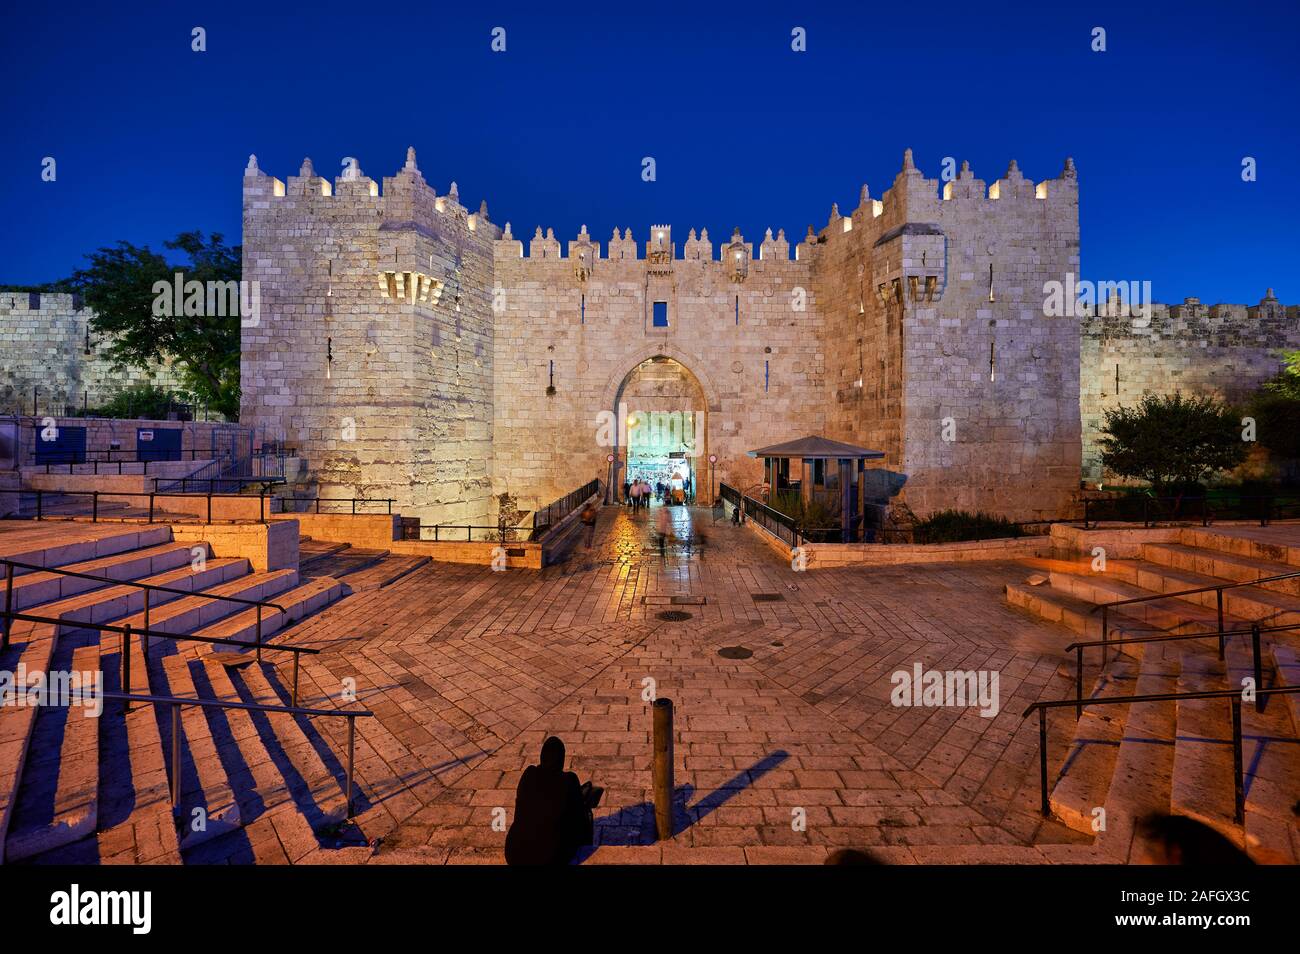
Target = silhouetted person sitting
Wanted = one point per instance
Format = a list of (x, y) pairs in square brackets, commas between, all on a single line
[(1179, 840), (552, 812)]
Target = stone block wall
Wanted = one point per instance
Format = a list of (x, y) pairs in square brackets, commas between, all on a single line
[(373, 355), (582, 323), (1224, 350), (935, 303), (45, 344)]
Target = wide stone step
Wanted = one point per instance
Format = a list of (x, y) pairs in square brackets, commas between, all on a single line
[(1222, 566), (111, 604), (1271, 758), (1155, 615), (269, 785), (58, 800), (207, 806), (32, 589), (1286, 666), (328, 799), (188, 614), (1086, 773), (30, 650), (1202, 786), (137, 825), (384, 572), (298, 602), (1241, 602), (1059, 606), (1276, 544), (58, 545), (1144, 765)]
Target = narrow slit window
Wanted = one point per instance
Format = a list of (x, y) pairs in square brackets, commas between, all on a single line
[(582, 310), (737, 309), (991, 298), (993, 367)]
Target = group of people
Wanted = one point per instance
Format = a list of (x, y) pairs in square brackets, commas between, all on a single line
[(640, 492)]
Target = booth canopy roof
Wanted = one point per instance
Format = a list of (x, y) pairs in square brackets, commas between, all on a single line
[(813, 446)]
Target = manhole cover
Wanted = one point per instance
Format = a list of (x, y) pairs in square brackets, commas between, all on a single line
[(735, 652), (767, 597), (674, 616)]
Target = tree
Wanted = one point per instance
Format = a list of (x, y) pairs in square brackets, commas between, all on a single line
[(1170, 440), (1287, 381), (122, 286)]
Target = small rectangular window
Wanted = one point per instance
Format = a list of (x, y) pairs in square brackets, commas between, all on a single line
[(661, 314)]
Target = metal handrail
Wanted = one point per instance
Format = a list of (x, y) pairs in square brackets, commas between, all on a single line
[(354, 501), (147, 587), (566, 504), (1254, 631), (179, 702), (125, 631), (1234, 694), (152, 496), (1216, 588)]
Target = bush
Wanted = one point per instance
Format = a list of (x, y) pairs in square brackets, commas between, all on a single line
[(1172, 441), (953, 526), (139, 402), (815, 514)]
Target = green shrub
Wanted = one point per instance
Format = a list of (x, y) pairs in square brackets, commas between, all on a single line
[(953, 526)]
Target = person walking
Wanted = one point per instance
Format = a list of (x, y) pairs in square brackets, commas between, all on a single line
[(663, 529), (588, 517), (636, 494)]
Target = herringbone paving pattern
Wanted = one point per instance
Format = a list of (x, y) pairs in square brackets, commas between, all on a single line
[(781, 755)]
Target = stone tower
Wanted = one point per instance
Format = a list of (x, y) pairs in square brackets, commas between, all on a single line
[(373, 354)]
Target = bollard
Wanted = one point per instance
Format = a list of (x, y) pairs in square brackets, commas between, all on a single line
[(663, 768)]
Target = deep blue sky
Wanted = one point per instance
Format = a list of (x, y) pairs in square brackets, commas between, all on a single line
[(151, 138)]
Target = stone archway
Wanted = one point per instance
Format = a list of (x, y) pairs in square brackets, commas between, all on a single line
[(660, 390)]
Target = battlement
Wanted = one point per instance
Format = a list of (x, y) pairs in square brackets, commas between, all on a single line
[(623, 246), (53, 303), (1192, 318), (405, 196), (914, 198)]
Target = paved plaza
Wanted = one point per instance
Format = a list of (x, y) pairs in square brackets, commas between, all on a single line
[(785, 750)]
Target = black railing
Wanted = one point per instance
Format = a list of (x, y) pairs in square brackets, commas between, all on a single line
[(774, 522), (556, 511), (355, 506), (1216, 588), (45, 497), (1149, 509), (11, 565), (125, 631), (1235, 695), (476, 533), (1255, 631), (177, 486)]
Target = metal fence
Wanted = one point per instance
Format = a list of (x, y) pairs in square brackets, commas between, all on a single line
[(546, 517)]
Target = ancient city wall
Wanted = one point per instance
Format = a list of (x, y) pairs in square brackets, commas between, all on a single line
[(373, 352), (1225, 350), (973, 390), (45, 345), (580, 321)]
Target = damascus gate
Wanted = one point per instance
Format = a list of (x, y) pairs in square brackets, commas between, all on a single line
[(409, 347)]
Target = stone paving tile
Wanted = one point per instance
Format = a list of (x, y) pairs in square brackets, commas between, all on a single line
[(780, 757)]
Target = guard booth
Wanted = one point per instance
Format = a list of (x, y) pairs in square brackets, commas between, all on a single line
[(817, 468), (158, 443)]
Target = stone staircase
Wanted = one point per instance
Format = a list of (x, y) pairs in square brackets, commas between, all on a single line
[(1177, 757), (78, 785)]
